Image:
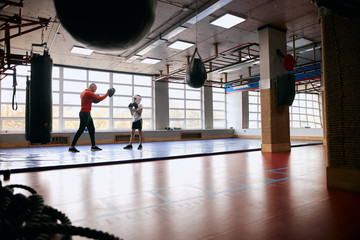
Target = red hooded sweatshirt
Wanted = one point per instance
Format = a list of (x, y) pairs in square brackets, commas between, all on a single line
[(87, 97)]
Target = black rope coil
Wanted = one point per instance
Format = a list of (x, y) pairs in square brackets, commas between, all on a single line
[(27, 218)]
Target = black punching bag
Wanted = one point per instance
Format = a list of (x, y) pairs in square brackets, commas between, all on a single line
[(40, 107), (107, 25), (196, 73), (27, 110), (285, 89)]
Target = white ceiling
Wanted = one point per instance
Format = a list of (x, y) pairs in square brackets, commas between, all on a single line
[(300, 18)]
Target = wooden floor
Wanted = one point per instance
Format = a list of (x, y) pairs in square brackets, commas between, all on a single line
[(249, 195)]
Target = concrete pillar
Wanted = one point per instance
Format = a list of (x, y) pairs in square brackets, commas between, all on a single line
[(234, 111), (161, 105), (275, 123), (245, 109), (208, 107)]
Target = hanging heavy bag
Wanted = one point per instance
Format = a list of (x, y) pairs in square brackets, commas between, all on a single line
[(285, 89), (40, 107), (27, 110), (196, 73), (127, 22)]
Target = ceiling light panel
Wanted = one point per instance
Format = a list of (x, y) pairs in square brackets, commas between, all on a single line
[(133, 58), (81, 50), (309, 49), (151, 60), (181, 45), (216, 6), (227, 21), (174, 32), (152, 46)]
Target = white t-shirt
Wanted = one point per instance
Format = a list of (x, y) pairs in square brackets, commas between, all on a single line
[(135, 114)]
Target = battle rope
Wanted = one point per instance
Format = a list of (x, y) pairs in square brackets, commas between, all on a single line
[(28, 218)]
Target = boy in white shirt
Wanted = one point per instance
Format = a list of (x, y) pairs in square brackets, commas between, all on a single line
[(136, 110)]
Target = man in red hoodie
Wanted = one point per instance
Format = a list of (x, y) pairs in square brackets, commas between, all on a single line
[(87, 97)]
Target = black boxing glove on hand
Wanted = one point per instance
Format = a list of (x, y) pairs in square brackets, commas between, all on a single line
[(135, 105), (95, 100), (130, 106), (111, 92)]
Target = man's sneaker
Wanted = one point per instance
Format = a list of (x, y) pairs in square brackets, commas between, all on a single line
[(95, 148), (140, 147), (128, 147), (73, 149)]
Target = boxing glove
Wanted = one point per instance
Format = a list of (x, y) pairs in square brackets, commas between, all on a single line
[(111, 92), (95, 100)]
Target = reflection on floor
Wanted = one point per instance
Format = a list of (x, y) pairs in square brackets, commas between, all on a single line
[(33, 159), (247, 195)]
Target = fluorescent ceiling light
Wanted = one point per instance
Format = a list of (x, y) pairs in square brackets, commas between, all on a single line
[(300, 42), (133, 58), (151, 60), (207, 12), (174, 32), (237, 67), (9, 71), (245, 58), (309, 49), (152, 46), (181, 45), (81, 50), (227, 21)]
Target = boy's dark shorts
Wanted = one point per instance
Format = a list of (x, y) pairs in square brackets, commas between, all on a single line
[(137, 124)]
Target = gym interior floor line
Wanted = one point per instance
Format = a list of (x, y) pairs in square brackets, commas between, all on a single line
[(47, 158)]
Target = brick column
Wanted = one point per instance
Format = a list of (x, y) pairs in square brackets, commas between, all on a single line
[(341, 76), (275, 123)]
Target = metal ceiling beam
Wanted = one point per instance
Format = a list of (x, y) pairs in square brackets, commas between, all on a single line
[(217, 56), (8, 60), (10, 3), (42, 22)]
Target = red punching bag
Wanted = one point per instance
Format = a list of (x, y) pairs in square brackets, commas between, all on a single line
[(40, 105)]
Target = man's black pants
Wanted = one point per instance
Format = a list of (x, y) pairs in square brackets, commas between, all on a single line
[(85, 121)]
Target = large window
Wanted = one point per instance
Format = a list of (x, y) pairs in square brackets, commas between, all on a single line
[(219, 114), (67, 84), (11, 120), (254, 110), (185, 107), (127, 86), (305, 111)]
